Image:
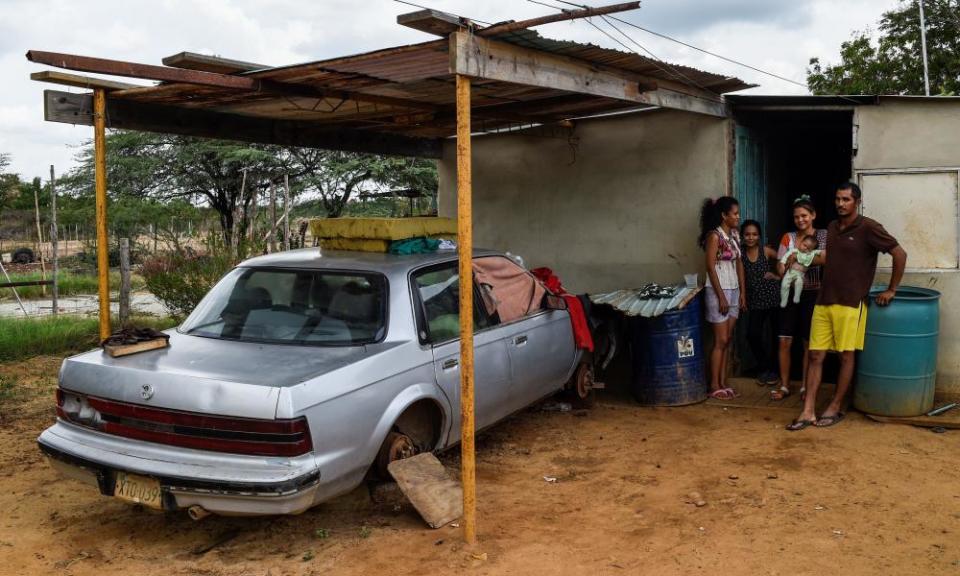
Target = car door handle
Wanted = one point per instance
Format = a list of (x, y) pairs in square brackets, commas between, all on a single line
[(450, 363), (520, 340)]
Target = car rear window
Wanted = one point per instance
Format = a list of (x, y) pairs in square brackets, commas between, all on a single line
[(312, 307)]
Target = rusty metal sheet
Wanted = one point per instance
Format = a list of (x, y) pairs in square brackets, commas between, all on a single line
[(629, 302)]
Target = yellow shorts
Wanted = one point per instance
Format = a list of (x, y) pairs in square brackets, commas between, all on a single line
[(838, 328)]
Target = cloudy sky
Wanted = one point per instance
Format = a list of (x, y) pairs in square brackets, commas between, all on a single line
[(775, 35)]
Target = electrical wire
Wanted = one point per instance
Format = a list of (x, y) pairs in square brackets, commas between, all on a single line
[(656, 61), (682, 43), (642, 47)]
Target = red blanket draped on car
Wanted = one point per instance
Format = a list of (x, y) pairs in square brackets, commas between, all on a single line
[(578, 319)]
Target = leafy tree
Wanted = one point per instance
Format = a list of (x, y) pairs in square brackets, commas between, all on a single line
[(894, 64), (230, 176), (9, 183), (342, 176)]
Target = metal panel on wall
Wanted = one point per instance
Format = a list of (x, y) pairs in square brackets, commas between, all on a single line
[(750, 175), (920, 209)]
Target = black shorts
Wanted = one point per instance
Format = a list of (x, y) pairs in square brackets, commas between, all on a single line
[(795, 318)]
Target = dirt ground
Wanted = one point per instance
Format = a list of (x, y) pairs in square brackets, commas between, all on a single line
[(859, 498)]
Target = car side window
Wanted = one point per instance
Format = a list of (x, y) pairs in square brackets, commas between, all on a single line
[(439, 290)]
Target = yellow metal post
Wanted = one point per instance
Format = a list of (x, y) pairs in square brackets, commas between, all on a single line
[(465, 242), (100, 179)]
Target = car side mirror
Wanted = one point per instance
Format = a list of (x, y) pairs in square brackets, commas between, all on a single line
[(552, 302)]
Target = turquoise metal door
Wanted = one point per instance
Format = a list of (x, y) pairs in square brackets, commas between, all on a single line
[(750, 175)]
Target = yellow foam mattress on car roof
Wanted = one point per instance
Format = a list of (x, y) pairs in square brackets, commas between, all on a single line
[(386, 229)]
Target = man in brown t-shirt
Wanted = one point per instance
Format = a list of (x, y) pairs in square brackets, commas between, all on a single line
[(840, 316)]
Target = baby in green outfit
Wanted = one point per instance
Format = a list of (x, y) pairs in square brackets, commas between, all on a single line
[(805, 254)]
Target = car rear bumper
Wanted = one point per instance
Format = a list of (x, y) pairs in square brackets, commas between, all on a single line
[(226, 484)]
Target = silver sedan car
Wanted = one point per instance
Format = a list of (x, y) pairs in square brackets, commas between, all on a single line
[(302, 373)]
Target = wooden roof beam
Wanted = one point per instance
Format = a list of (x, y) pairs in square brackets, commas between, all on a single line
[(559, 17), (443, 23), (212, 79), (80, 81), (129, 115), (433, 22), (488, 59), (204, 63)]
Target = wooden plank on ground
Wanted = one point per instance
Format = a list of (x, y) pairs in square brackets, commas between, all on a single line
[(425, 482)]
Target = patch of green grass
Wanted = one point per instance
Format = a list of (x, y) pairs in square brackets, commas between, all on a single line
[(69, 284), (27, 337), (365, 531), (321, 533)]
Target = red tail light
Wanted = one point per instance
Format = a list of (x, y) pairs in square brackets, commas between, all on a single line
[(190, 430)]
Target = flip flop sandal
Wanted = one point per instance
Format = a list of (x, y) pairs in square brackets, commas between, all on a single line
[(827, 421), (798, 425), (721, 394), (780, 393), (732, 393)]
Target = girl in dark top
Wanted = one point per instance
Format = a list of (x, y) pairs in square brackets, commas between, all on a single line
[(763, 292)]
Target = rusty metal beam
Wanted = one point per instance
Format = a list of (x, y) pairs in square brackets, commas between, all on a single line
[(142, 71), (212, 79), (560, 17)]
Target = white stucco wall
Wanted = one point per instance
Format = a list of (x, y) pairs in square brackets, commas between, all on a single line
[(903, 134), (620, 211)]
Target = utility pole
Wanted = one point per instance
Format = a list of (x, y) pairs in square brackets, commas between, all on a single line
[(923, 47)]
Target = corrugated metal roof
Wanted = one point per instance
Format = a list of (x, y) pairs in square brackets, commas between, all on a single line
[(630, 303), (420, 74)]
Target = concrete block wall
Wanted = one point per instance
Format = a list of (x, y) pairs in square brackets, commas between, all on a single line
[(615, 208)]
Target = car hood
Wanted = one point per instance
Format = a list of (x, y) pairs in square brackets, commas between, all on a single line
[(199, 374)]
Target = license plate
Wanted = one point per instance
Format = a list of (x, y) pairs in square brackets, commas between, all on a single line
[(139, 490)]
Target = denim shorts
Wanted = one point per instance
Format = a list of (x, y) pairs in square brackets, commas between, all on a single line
[(713, 305)]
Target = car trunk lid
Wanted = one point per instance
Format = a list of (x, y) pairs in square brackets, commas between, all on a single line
[(204, 375)]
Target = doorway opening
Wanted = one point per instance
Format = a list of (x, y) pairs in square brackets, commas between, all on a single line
[(782, 154)]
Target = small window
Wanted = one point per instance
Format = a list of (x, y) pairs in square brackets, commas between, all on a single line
[(920, 210), (439, 291)]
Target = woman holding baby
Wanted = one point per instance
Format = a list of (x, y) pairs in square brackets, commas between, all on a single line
[(795, 316)]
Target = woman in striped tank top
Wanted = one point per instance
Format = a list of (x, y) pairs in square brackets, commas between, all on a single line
[(723, 295)]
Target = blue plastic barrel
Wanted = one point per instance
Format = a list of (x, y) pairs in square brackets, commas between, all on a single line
[(668, 363), (897, 370)]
